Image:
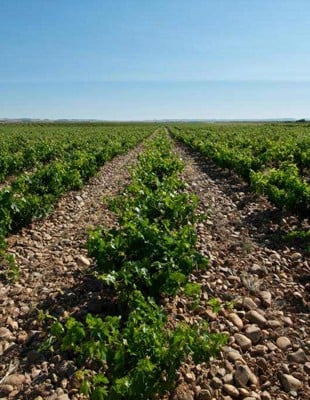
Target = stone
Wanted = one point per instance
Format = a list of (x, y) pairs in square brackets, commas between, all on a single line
[(290, 383), (83, 260), (205, 394), (63, 397), (231, 390), (254, 333), (243, 392), (243, 341), (12, 324), (259, 350), (216, 383), (274, 324), (262, 363), (6, 389), (15, 379), (236, 320), (190, 377), (298, 357), (234, 355), (5, 333), (243, 375), (228, 378), (256, 318), (259, 270), (22, 337), (228, 366), (265, 395), (296, 256), (283, 343), (248, 304), (265, 297), (287, 321), (307, 367), (185, 396), (285, 368), (211, 314), (271, 346)]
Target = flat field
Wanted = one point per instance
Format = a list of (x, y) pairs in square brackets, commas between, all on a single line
[(154, 261)]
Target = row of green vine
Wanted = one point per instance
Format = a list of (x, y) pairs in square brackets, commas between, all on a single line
[(133, 354)]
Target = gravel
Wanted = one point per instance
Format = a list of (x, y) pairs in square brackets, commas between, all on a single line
[(261, 284)]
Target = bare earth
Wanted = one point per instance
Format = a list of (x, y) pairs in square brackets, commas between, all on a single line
[(263, 286)]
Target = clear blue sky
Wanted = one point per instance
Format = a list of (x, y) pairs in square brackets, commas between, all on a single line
[(144, 59)]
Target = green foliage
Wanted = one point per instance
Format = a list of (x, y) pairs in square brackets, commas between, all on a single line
[(63, 160), (192, 290), (154, 248), (9, 269), (139, 358), (273, 158), (284, 188), (135, 354), (215, 304), (302, 238)]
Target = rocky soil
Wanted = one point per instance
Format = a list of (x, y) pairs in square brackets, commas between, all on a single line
[(53, 260), (261, 283), (263, 286)]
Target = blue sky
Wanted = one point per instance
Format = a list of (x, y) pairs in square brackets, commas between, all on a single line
[(143, 59)]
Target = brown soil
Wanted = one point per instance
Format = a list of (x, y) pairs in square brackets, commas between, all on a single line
[(261, 282)]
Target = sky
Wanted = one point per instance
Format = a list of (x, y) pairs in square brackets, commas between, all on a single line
[(143, 59)]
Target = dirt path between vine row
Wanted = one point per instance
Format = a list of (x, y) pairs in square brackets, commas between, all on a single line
[(52, 259), (263, 286)]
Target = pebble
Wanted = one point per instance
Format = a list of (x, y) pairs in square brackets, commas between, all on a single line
[(83, 260), (190, 377), (287, 321), (228, 378), (63, 397), (13, 324), (5, 333), (181, 396), (298, 357), (236, 320), (259, 270), (248, 304), (271, 346), (22, 337), (265, 395), (15, 379), (274, 324), (307, 367), (231, 390), (6, 389), (205, 394), (254, 333), (262, 363), (256, 318), (290, 383), (258, 350), (243, 375), (265, 297), (283, 343), (216, 383), (234, 355), (243, 341)]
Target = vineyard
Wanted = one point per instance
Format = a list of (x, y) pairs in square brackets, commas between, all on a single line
[(142, 261), (274, 159), (43, 165)]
